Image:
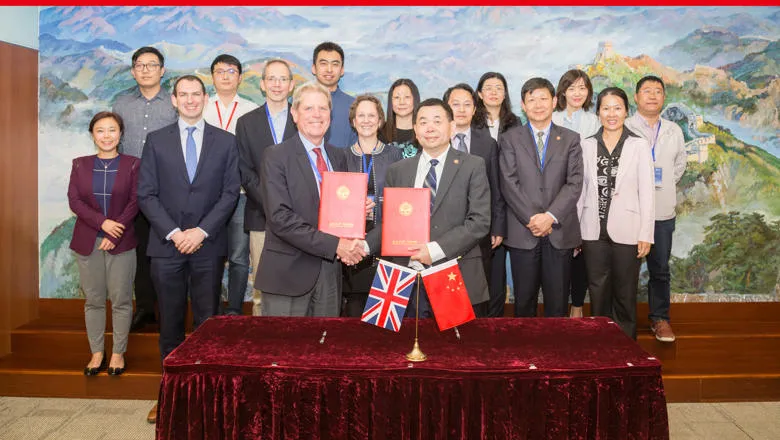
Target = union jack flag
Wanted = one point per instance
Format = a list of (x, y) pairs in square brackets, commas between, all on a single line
[(389, 295)]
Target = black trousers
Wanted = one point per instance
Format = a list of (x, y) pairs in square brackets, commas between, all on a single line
[(546, 267), (145, 294), (579, 280), (613, 276), (198, 277), (495, 272)]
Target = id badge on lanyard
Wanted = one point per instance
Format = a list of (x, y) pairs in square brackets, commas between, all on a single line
[(658, 172)]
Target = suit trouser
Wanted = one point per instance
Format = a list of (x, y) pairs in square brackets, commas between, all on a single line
[(145, 294), (256, 241), (101, 273), (172, 276), (613, 275), (238, 257), (323, 300), (546, 267), (579, 280), (497, 282)]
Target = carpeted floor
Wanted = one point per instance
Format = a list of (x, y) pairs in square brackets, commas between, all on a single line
[(91, 419)]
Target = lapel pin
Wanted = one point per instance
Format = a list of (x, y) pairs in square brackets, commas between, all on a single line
[(456, 161), (557, 138)]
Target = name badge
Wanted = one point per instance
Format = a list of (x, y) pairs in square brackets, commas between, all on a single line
[(659, 176)]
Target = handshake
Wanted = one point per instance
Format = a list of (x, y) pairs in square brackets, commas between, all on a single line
[(351, 251)]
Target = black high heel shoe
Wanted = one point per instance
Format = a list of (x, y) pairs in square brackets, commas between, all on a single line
[(117, 371), (94, 371)]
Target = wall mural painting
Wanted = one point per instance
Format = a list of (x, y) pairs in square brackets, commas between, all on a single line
[(720, 64)]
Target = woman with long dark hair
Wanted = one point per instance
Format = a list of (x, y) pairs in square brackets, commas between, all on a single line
[(493, 105), (398, 131)]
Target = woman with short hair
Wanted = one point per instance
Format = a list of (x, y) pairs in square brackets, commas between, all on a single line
[(616, 211), (102, 193)]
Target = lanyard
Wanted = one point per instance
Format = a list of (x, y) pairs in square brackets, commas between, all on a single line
[(365, 169), (271, 124), (546, 142), (317, 174), (655, 141), (219, 115)]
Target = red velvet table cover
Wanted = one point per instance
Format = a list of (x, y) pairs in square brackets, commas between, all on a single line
[(246, 377)]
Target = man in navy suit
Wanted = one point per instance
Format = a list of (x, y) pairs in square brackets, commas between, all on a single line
[(299, 271), (268, 125), (188, 188)]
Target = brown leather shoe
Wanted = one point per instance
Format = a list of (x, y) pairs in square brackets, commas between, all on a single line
[(662, 330), (152, 416)]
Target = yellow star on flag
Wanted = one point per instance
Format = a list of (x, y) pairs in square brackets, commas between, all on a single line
[(451, 276)]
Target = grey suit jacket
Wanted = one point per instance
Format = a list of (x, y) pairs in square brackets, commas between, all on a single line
[(460, 217), (529, 190)]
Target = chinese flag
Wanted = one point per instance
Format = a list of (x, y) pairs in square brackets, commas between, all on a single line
[(447, 294)]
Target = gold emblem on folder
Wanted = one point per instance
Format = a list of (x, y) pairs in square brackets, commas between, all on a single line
[(405, 209), (342, 192)]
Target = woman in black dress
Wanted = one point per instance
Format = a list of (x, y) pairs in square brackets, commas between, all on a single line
[(372, 156)]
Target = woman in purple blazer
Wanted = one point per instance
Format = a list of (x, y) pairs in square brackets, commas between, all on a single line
[(102, 193)]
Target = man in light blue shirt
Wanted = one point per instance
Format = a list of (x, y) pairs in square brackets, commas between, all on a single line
[(328, 68)]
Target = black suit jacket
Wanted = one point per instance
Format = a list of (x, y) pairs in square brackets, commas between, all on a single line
[(294, 248), (253, 136), (170, 201), (484, 146)]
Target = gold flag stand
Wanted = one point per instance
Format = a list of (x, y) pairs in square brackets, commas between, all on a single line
[(416, 355)]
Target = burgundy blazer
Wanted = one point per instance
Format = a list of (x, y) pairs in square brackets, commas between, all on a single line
[(89, 216)]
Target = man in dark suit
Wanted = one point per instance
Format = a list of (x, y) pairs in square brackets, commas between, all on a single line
[(462, 100), (265, 126), (299, 271), (188, 188), (460, 213), (541, 181)]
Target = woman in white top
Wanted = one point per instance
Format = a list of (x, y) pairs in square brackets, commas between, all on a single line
[(575, 98), (616, 211)]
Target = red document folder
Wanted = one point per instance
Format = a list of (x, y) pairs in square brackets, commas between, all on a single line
[(406, 220), (343, 204)]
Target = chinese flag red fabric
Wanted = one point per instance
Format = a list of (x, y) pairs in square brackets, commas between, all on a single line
[(447, 294), (343, 204), (406, 220)]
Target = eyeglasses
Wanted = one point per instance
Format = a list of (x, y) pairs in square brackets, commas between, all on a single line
[(497, 89), (275, 79), (148, 66), (230, 72)]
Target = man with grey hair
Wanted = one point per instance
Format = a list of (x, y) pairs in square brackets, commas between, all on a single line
[(300, 271), (255, 132)]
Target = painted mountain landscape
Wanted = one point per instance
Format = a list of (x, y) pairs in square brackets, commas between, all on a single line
[(721, 66)]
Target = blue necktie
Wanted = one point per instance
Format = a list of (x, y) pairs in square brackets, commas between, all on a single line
[(430, 181), (191, 155)]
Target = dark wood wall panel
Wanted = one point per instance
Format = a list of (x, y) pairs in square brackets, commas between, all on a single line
[(18, 189)]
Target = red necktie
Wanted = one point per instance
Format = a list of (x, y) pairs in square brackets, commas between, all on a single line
[(322, 167)]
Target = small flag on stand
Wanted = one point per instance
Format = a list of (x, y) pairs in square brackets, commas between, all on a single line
[(447, 295), (389, 295)]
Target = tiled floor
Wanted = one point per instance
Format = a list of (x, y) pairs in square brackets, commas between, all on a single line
[(86, 419)]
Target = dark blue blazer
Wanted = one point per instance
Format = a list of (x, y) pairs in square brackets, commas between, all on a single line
[(170, 201)]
